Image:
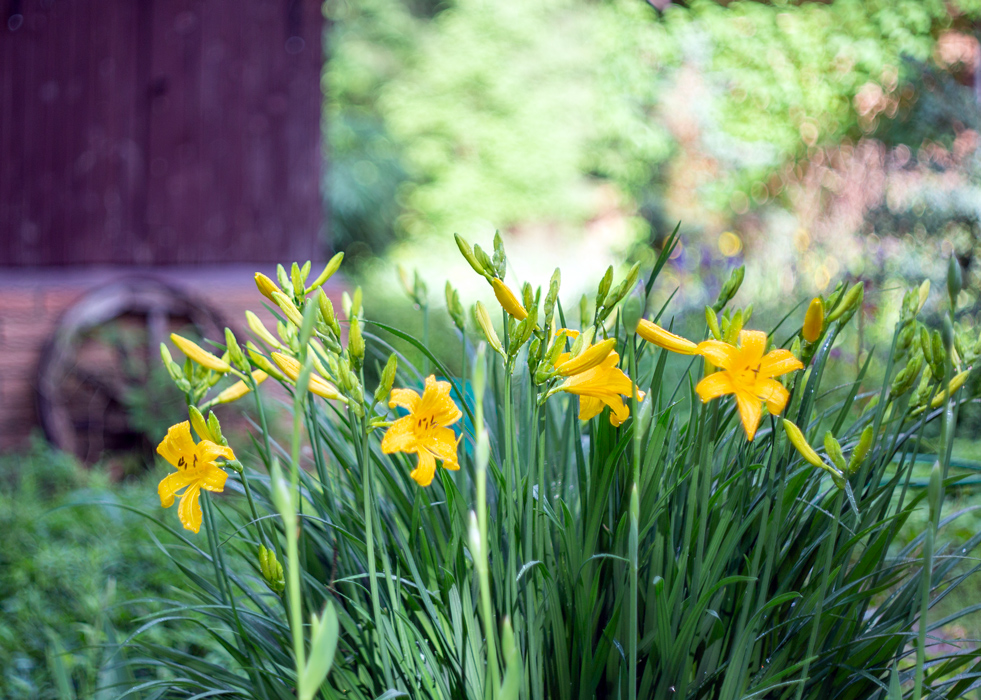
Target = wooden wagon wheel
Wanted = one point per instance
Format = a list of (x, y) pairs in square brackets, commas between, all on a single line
[(101, 359)]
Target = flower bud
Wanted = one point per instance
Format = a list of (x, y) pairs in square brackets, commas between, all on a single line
[(288, 308), (938, 355), (735, 327), (484, 260), (327, 312), (215, 428), (199, 424), (798, 440), (813, 320), (297, 281), (947, 334), (199, 355), (235, 353), (468, 254), (356, 300), (500, 259), (956, 382), (552, 297), (455, 308), (260, 361), (240, 388), (387, 379), (833, 448), (257, 327), (266, 286), (507, 300), (923, 293), (483, 321), (604, 287), (850, 302), (332, 267), (860, 451), (730, 288), (904, 379), (955, 281), (271, 569), (653, 333), (712, 321), (284, 279), (355, 344)]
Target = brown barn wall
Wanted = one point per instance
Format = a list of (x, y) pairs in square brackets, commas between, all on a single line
[(160, 132)]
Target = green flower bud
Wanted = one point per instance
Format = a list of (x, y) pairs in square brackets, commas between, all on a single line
[(297, 280), (861, 451), (730, 288), (904, 379), (355, 344), (500, 259), (851, 301), (604, 287), (327, 312), (235, 353), (833, 448), (947, 334), (469, 255), (712, 321), (552, 297), (387, 379), (922, 293), (484, 261), (199, 424), (284, 280), (215, 428), (455, 308), (955, 281), (271, 569), (332, 267), (356, 302), (482, 318), (735, 326)]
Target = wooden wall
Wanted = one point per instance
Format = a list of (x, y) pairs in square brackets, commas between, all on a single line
[(154, 132)]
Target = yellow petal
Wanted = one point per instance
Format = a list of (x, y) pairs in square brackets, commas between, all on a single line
[(266, 286), (199, 355), (619, 411), (774, 394), (189, 510), (171, 484), (425, 470), (290, 367), (442, 444), (587, 359), (213, 478), (714, 386), (207, 452), (589, 407), (508, 300), (177, 445), (753, 345), (750, 412), (717, 352), (400, 436), (436, 403), (653, 333), (778, 362), (406, 398)]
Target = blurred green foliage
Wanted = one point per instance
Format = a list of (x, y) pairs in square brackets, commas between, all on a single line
[(77, 573)]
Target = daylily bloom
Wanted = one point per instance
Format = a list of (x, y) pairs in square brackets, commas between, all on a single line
[(601, 385), (425, 432), (196, 470), (748, 374)]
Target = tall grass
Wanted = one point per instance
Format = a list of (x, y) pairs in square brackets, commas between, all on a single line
[(668, 557)]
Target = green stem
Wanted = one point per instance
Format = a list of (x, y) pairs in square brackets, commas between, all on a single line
[(292, 548), (634, 524)]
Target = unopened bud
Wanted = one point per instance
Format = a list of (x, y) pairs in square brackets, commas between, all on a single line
[(454, 307), (500, 259), (332, 267), (199, 355), (235, 353), (861, 450), (507, 300), (284, 279), (813, 320), (468, 254), (387, 379), (923, 293), (327, 312), (712, 321), (288, 308), (215, 427), (604, 287), (850, 302), (355, 343), (271, 569), (257, 327), (484, 322), (833, 448), (260, 361), (199, 424), (484, 260), (240, 388), (955, 281), (905, 377), (297, 280), (956, 382), (735, 327), (730, 288), (266, 286), (552, 297)]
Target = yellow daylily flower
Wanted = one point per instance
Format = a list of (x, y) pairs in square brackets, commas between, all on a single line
[(748, 374), (196, 470), (653, 333), (508, 300), (425, 432), (602, 384)]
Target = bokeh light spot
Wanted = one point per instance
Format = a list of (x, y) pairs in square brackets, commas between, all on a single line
[(730, 245)]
